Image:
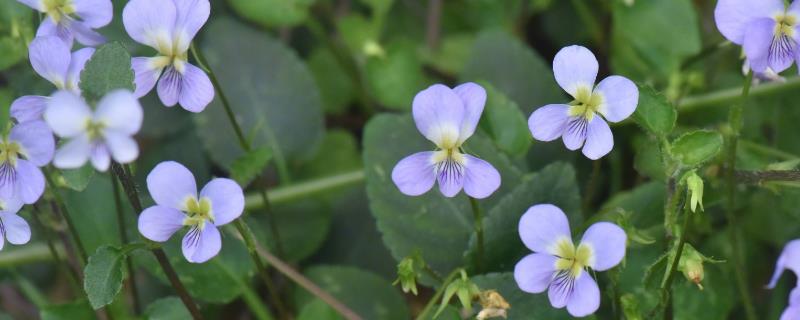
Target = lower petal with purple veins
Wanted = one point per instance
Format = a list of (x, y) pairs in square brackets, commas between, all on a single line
[(201, 245), (575, 132), (450, 176), (585, 298), (561, 288), (50, 28), (767, 49), (599, 140), (481, 179), (169, 87)]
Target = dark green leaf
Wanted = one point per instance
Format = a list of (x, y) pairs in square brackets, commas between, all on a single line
[(335, 84), (77, 179), (505, 123), (396, 77), (654, 113), (16, 30), (273, 13), (250, 165), (68, 311), (107, 70), (94, 212), (302, 227), (169, 308), (318, 310), (103, 276), (694, 148)]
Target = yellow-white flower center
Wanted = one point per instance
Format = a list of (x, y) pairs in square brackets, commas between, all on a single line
[(197, 212), (785, 24), (586, 103), (571, 260), (9, 152), (58, 9)]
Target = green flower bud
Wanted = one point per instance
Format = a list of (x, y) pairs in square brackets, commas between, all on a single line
[(464, 289), (695, 185), (408, 271)]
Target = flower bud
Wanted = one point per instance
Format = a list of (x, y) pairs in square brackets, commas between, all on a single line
[(408, 270), (691, 264), (695, 185)]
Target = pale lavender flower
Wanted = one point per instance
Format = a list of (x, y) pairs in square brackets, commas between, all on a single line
[(12, 227), (27, 147), (99, 135), (73, 19), (789, 259), (560, 267), (51, 59), (169, 27), (767, 30), (173, 188), (447, 117), (615, 98)]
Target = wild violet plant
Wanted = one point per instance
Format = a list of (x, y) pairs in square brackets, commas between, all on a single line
[(72, 157)]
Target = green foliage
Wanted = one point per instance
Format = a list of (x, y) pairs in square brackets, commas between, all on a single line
[(654, 113), (694, 148), (67, 311), (104, 274), (108, 69), (77, 179), (318, 310), (250, 165), (169, 308), (335, 85), (523, 305), (273, 13), (16, 30), (396, 77), (505, 123)]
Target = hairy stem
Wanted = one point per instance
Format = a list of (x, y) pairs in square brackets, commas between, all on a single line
[(666, 284), (478, 215), (250, 242), (437, 295), (137, 306)]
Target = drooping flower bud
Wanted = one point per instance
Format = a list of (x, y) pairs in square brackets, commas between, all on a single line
[(407, 273), (464, 289), (695, 186)]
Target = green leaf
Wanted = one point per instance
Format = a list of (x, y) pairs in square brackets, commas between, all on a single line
[(452, 54), (654, 113), (514, 69), (335, 84), (7, 97), (169, 308), (694, 148), (646, 202), (250, 165), (77, 179), (439, 227), (302, 227), (107, 70), (68, 311), (367, 294), (16, 31), (273, 13), (396, 77), (103, 276), (505, 123), (94, 212), (379, 7), (273, 95), (318, 310), (523, 305), (338, 153), (555, 184)]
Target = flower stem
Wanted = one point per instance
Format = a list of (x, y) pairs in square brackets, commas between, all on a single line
[(137, 307), (438, 294), (728, 96), (304, 189), (126, 179), (73, 274), (478, 215), (61, 207), (666, 284), (250, 242), (735, 122)]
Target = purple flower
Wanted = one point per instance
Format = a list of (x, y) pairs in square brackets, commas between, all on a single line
[(173, 188), (560, 267), (98, 135), (447, 117), (73, 19), (27, 147), (789, 259), (169, 27), (766, 29), (51, 59), (615, 98), (12, 227)]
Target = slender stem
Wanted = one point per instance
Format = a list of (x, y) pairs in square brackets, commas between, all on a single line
[(478, 215), (250, 297), (433, 24), (250, 242), (707, 51), (436, 296), (126, 179), (137, 306), (590, 187), (62, 209), (72, 274), (728, 96), (735, 122), (757, 177), (302, 190), (768, 151), (666, 285)]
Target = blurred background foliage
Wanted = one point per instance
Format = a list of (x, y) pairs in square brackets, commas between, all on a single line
[(325, 87)]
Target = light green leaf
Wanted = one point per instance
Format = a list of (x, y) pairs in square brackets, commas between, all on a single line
[(169, 308), (250, 165), (68, 311), (396, 77), (523, 305), (94, 212), (654, 113), (77, 179), (694, 148), (505, 123), (335, 84), (273, 13), (107, 70), (318, 310), (302, 227), (103, 276), (16, 30)]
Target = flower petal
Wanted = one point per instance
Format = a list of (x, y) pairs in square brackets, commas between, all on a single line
[(542, 227), (73, 154), (481, 179), (575, 132), (414, 175), (50, 28), (791, 313), (146, 75), (450, 176), (85, 34), (733, 16), (196, 91), (120, 110), (201, 245), (549, 122), (151, 22), (36, 141), (789, 259), (169, 87), (227, 200), (17, 230), (534, 272), (123, 148), (30, 181), (439, 113), (761, 52), (192, 15), (100, 157), (159, 223), (170, 183), (34, 4), (599, 140), (67, 114), (607, 242), (620, 97), (585, 297), (76, 64), (28, 108), (94, 13), (473, 97), (575, 67), (50, 58)]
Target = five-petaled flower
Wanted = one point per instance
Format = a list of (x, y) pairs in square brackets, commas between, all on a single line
[(169, 27), (173, 188), (789, 259), (447, 117), (560, 267), (27, 147), (615, 98), (12, 227), (73, 19), (766, 29), (51, 59), (98, 135)]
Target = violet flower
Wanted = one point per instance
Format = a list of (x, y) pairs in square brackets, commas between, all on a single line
[(447, 117), (27, 147), (615, 98), (789, 259), (173, 188), (560, 267), (767, 30), (51, 59), (12, 227), (169, 27), (73, 19), (98, 135)]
